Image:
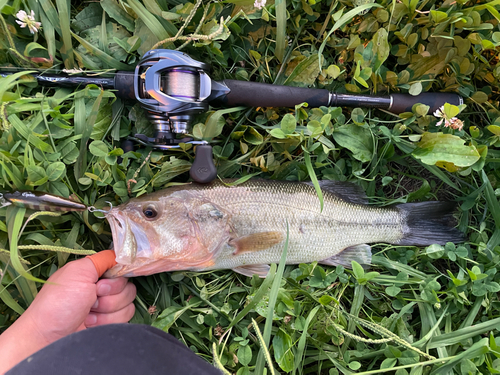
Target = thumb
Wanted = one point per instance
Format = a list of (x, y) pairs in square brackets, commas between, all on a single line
[(103, 261)]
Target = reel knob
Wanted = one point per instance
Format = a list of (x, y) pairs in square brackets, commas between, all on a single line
[(203, 169)]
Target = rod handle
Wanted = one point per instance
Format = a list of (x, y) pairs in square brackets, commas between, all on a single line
[(404, 102), (255, 94)]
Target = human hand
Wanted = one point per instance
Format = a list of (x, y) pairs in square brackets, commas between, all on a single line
[(72, 299)]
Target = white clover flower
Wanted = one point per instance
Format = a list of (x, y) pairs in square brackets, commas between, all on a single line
[(259, 4), (28, 20), (453, 122)]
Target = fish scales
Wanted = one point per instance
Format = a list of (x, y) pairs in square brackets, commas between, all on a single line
[(244, 228), (313, 235)]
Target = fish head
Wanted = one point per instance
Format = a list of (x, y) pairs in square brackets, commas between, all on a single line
[(174, 232)]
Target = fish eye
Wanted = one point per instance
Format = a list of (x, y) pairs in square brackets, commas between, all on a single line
[(150, 212)]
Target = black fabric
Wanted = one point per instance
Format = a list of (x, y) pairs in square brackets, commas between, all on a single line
[(116, 349)]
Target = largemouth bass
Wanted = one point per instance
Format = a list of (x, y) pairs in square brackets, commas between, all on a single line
[(244, 228)]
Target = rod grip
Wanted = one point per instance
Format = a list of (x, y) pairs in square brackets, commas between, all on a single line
[(254, 94), (403, 102)]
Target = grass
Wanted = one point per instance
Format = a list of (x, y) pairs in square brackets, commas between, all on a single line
[(431, 310)]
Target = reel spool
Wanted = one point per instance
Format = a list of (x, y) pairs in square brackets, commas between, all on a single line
[(173, 88)]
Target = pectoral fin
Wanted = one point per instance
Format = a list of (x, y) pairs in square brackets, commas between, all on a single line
[(254, 269), (360, 253), (256, 242)]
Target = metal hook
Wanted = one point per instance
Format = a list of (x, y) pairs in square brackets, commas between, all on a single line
[(93, 209), (4, 202)]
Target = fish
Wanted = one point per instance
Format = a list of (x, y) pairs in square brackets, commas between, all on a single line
[(201, 227), (40, 201)]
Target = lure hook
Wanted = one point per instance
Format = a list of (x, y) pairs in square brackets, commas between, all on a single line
[(93, 209), (4, 202)]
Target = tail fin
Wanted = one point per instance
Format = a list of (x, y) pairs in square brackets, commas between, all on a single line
[(429, 223)]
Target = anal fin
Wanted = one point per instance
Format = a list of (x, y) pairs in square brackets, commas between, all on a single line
[(256, 242), (360, 253), (253, 269)]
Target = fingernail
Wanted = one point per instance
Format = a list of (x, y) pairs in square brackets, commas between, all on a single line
[(90, 320), (103, 290), (94, 306)]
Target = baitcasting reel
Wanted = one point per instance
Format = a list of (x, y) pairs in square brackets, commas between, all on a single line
[(173, 88)]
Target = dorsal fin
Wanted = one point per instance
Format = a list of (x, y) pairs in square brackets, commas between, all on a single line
[(344, 190)]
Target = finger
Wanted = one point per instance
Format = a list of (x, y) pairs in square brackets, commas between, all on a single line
[(115, 302), (103, 261), (107, 287), (121, 316)]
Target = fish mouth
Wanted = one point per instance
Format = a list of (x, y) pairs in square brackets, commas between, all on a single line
[(131, 242)]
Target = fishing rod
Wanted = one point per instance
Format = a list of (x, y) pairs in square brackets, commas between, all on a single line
[(172, 88)]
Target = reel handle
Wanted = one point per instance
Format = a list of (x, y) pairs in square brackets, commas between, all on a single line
[(203, 169)]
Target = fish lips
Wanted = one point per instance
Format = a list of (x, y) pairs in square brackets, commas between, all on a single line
[(130, 242)]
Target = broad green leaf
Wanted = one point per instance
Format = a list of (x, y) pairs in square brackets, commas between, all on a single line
[(244, 355), (356, 139), (282, 345), (36, 175), (436, 147), (381, 47), (216, 122), (288, 124), (55, 171), (438, 16), (415, 88), (98, 148), (305, 73)]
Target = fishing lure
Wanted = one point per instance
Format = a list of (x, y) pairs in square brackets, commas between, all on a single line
[(40, 201)]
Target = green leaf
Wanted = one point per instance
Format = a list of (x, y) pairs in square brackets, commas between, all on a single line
[(252, 136), (348, 17), (244, 355), (451, 110), (305, 73), (28, 134), (56, 170), (356, 139), (280, 6), (358, 270), (415, 89), (314, 179), (282, 344), (114, 10), (288, 124), (358, 116), (36, 175), (149, 20), (439, 147), (393, 290), (216, 122), (381, 47), (438, 16), (435, 251), (67, 47), (109, 60), (99, 149), (278, 133)]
